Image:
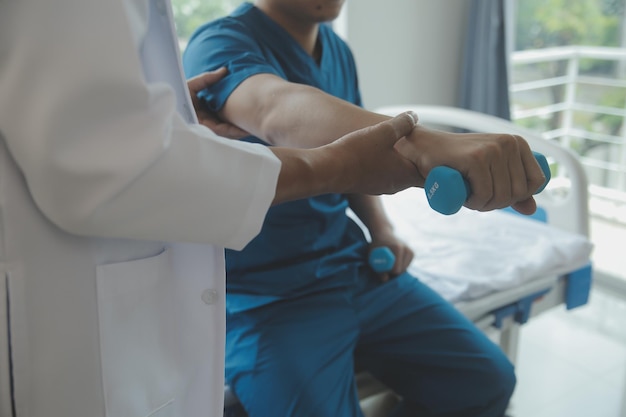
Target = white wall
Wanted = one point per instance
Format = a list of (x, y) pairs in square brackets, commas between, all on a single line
[(407, 51)]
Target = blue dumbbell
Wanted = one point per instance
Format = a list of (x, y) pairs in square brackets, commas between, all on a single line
[(447, 190), (381, 259)]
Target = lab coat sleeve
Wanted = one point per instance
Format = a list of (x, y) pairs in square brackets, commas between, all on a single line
[(103, 152)]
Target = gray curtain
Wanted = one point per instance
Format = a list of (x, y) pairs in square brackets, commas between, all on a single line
[(484, 81)]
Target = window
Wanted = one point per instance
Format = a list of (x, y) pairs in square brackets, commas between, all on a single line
[(568, 80), (190, 14)]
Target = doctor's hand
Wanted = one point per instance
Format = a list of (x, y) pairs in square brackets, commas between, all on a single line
[(371, 164), (205, 116), (501, 168), (364, 161)]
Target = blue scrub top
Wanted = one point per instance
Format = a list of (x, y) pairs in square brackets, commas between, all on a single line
[(307, 245)]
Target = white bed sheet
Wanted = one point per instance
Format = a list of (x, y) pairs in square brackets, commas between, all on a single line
[(470, 254)]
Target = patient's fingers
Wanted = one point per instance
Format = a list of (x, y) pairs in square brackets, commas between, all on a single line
[(504, 173), (528, 206), (481, 181), (403, 260), (534, 174)]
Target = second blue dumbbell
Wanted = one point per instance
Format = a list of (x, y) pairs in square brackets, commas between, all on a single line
[(381, 259), (447, 190)]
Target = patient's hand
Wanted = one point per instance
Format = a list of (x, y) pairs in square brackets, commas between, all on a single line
[(205, 116), (401, 251), (501, 169)]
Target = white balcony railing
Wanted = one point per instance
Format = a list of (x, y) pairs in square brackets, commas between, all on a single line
[(577, 96)]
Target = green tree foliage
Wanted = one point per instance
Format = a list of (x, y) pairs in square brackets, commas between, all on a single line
[(548, 23), (554, 23), (190, 14)]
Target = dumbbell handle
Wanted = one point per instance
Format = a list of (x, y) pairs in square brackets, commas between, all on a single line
[(447, 190), (381, 259)]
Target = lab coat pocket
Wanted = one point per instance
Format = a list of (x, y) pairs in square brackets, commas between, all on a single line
[(138, 340)]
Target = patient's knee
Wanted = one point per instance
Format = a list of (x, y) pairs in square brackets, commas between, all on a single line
[(489, 391), (502, 381), (506, 375)]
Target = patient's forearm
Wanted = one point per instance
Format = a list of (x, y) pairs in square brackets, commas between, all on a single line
[(294, 115)]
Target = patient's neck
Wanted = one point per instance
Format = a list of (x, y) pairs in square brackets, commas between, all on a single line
[(302, 30)]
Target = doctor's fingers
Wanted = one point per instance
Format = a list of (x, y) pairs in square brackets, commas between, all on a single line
[(403, 124), (389, 131), (219, 127), (205, 116), (384, 172), (205, 80), (202, 81), (376, 166)]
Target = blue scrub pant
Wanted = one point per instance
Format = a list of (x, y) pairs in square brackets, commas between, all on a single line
[(295, 358)]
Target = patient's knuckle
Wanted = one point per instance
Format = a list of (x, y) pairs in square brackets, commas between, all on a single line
[(507, 145), (480, 155), (510, 140)]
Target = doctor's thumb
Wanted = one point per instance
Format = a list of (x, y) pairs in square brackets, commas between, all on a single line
[(403, 124)]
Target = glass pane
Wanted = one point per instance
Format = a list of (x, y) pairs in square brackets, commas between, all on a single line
[(190, 14)]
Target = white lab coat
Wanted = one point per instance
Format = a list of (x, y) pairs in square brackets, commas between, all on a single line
[(98, 315)]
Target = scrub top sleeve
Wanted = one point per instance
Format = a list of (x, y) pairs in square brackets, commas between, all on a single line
[(220, 45)]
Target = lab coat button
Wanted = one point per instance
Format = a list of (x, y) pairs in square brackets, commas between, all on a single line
[(209, 296)]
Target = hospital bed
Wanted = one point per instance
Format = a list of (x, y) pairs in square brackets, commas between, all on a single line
[(500, 269)]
